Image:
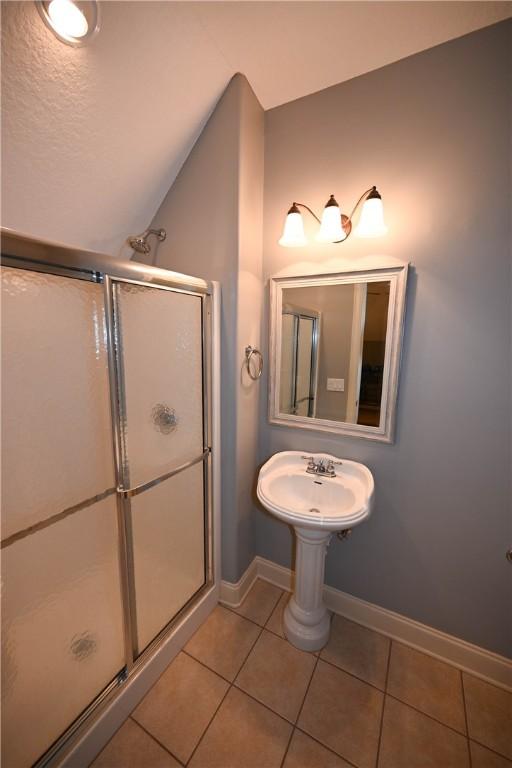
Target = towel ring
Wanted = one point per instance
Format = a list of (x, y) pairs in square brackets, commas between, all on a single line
[(249, 352)]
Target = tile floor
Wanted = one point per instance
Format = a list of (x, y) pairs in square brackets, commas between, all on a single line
[(240, 696)]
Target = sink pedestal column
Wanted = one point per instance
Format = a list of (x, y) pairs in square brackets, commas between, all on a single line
[(306, 619)]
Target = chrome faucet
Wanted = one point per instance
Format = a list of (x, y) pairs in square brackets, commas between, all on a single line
[(320, 467)]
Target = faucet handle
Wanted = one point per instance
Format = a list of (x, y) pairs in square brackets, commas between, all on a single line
[(309, 458), (311, 461)]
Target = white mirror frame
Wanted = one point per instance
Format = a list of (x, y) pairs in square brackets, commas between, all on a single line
[(397, 275)]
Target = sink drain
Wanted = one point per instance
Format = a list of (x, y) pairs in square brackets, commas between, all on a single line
[(314, 509)]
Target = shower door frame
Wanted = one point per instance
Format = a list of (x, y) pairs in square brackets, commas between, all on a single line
[(134, 655), (23, 252)]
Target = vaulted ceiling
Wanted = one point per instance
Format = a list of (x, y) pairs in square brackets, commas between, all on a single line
[(93, 137)]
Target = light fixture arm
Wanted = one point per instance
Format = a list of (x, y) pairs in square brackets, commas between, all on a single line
[(303, 205), (363, 197), (354, 209)]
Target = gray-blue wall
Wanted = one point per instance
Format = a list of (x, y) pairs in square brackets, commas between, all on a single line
[(433, 132), (212, 214)]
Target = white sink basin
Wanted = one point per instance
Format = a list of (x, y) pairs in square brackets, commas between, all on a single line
[(315, 501), (316, 505)]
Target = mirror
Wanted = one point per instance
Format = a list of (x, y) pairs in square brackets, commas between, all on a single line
[(335, 351)]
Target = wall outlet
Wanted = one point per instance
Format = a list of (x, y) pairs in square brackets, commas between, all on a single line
[(335, 385)]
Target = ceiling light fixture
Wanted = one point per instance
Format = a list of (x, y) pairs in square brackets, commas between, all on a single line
[(335, 227), (72, 22)]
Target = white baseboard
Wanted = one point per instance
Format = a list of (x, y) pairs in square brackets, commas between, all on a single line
[(470, 658), (234, 594)]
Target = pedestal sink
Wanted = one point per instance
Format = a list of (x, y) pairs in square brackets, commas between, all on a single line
[(301, 491)]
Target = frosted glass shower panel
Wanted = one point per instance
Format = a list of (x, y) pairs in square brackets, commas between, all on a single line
[(160, 334), (62, 639), (168, 529), (55, 399)]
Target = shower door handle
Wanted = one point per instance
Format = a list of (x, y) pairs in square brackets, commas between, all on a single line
[(129, 492)]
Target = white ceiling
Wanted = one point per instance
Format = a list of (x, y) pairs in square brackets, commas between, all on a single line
[(290, 49), (93, 137)]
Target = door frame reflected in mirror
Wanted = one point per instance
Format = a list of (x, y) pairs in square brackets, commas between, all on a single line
[(396, 274), (298, 314)]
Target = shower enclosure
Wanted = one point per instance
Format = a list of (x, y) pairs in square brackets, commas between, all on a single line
[(107, 481)]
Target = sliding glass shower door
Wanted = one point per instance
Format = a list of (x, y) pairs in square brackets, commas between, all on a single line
[(105, 499), (62, 625), (163, 448)]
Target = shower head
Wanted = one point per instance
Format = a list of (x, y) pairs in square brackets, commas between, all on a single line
[(139, 242)]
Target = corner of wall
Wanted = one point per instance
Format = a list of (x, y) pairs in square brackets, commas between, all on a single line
[(249, 308), (213, 214)]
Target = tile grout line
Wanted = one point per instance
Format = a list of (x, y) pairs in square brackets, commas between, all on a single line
[(210, 721), (385, 693), (236, 610), (400, 701), (205, 666), (148, 733), (231, 684), (232, 610), (325, 746), (238, 688), (392, 696), (345, 671), (307, 691), (262, 704), (276, 604), (383, 703), (319, 658), (242, 665), (488, 682), (294, 724), (430, 717), (281, 764), (391, 639), (490, 749), (191, 656), (466, 719), (262, 626), (356, 677), (273, 609), (298, 728)]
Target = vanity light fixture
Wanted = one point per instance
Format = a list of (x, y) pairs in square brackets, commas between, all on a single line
[(73, 22), (335, 226)]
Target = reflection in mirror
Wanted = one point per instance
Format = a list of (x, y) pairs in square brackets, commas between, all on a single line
[(333, 341), (373, 354), (299, 360), (335, 350)]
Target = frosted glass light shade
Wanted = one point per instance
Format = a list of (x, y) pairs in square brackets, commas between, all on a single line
[(371, 222), (293, 233), (331, 230)]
